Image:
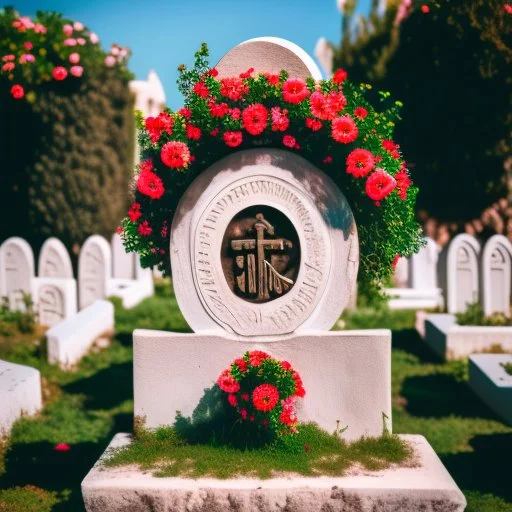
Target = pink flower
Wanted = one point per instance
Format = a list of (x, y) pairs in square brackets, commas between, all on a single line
[(110, 61), (289, 141), (7, 58), (39, 29), (379, 185), (8, 66), (28, 45), (62, 447), (76, 71), (27, 57), (81, 41), (508, 8), (94, 38), (280, 121), (69, 42), (68, 30), (232, 400), (74, 58), (59, 73), (78, 26)]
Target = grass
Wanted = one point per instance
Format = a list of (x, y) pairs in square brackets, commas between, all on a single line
[(311, 452), (85, 408)]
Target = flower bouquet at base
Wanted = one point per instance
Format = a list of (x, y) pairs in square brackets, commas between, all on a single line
[(261, 392)]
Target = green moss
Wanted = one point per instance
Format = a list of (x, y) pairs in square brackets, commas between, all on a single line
[(311, 452), (27, 499)]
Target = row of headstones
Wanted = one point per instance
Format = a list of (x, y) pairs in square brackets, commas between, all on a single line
[(466, 273), (103, 270)]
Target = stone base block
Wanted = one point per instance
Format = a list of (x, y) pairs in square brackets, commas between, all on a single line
[(451, 341), (20, 393), (346, 374), (131, 291), (490, 381), (411, 298), (69, 340), (426, 487)]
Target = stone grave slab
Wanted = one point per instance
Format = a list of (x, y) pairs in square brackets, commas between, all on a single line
[(55, 299), (426, 486), (452, 341), (496, 272), (20, 392), (54, 260), (69, 340), (489, 380), (16, 271)]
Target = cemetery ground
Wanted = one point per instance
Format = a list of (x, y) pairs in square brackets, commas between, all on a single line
[(86, 407)]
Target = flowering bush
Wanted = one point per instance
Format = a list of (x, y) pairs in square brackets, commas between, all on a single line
[(328, 122), (49, 48), (263, 391)]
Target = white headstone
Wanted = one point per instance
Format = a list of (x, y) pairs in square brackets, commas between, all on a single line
[(327, 241), (123, 263), (94, 270), (16, 270), (56, 299), (401, 274), (462, 273), (268, 54), (54, 260), (496, 275), (423, 267)]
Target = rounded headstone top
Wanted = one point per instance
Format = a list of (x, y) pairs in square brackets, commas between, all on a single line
[(268, 55), (263, 244)]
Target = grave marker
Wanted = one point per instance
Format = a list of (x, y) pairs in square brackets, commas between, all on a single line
[(54, 260)]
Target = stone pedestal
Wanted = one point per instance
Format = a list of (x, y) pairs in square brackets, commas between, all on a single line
[(425, 486)]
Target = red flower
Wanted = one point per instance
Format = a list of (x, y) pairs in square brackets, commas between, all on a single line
[(150, 184), (289, 141), (134, 212), (425, 9), (147, 165), (164, 230), (360, 162), (185, 112), (265, 397), (233, 139), (193, 132), (233, 88), (243, 413), (145, 229), (247, 74), (318, 106), (62, 447), (119, 230), (395, 261), (328, 159), (402, 182), (299, 387), (379, 185), (214, 132), (508, 8), (344, 130), (271, 79), (287, 416), (7, 58), (8, 66), (256, 357), (59, 73), (242, 365), (286, 365), (235, 113), (360, 112), (201, 90), (336, 102), (254, 119), (313, 124), (212, 72), (219, 109), (339, 76), (295, 90), (17, 91), (232, 400), (245, 397), (227, 383), (280, 121), (391, 148), (175, 154), (156, 125)]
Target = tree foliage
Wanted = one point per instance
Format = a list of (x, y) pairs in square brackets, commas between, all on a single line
[(449, 62)]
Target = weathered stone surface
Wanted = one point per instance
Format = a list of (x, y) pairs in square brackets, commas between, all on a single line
[(321, 216), (20, 393), (490, 381), (268, 55), (69, 340), (426, 487), (346, 374), (451, 341)]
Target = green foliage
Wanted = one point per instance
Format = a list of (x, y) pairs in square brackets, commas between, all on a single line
[(18, 321), (385, 228), (451, 69), (67, 154), (508, 367), (474, 315), (311, 452), (27, 499)]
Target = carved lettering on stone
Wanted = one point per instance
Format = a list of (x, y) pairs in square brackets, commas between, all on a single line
[(51, 305)]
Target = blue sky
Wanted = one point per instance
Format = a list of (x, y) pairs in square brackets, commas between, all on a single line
[(163, 34)]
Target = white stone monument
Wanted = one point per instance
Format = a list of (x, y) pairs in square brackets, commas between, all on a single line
[(123, 263), (496, 272), (462, 273), (16, 271), (54, 260), (94, 270), (265, 253)]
